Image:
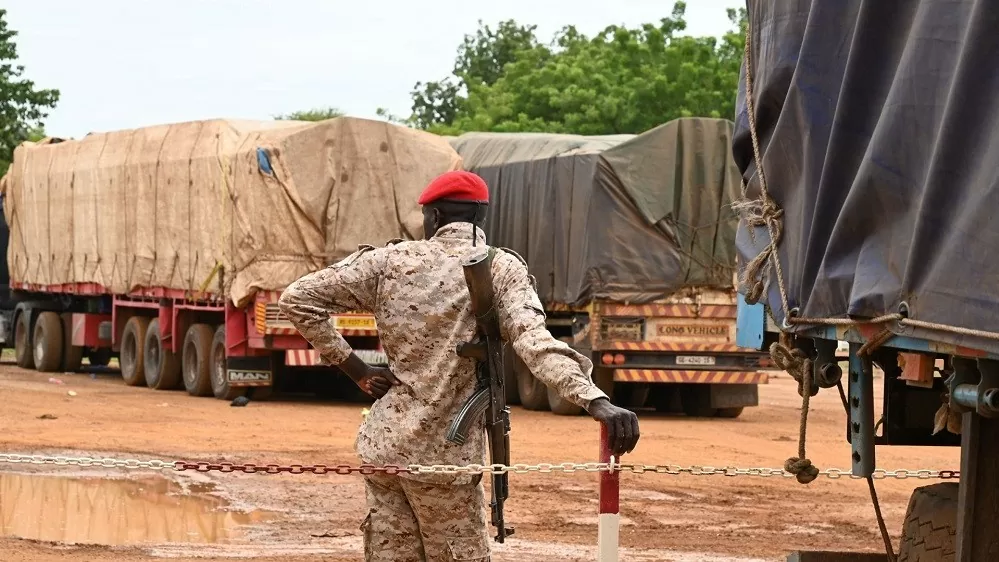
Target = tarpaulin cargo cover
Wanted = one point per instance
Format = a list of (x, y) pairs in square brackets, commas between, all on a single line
[(267, 201), (624, 218), (879, 128)]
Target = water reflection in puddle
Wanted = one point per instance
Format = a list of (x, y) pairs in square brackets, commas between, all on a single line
[(114, 512)]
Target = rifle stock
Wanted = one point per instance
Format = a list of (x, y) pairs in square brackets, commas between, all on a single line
[(490, 394)]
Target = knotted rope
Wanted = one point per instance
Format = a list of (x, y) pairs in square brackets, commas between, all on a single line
[(799, 366)]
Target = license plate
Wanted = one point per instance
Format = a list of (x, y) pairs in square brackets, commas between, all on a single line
[(354, 322), (694, 360)]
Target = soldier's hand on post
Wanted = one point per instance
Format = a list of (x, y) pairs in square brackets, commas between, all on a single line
[(622, 425)]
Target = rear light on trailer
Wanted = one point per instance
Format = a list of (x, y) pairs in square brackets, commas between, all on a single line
[(607, 359), (619, 359)]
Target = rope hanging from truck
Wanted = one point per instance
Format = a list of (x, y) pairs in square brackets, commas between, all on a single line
[(765, 213)]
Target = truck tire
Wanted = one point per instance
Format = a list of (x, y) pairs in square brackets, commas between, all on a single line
[(696, 401), (23, 350), (160, 365), (72, 355), (533, 393), (730, 413), (217, 366), (47, 342), (196, 365), (929, 532), (131, 356)]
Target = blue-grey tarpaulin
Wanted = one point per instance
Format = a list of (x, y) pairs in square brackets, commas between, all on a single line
[(879, 126)]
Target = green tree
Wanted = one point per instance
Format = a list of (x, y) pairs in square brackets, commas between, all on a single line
[(315, 114), (22, 105), (623, 80), (481, 60)]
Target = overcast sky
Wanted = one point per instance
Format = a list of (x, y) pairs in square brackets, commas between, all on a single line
[(130, 63)]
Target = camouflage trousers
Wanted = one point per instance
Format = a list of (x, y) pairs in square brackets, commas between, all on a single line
[(412, 521)]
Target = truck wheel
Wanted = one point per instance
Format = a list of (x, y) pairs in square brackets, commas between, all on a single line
[(72, 355), (23, 351), (560, 406), (930, 528), (533, 393), (730, 413), (220, 379), (47, 342), (131, 357), (196, 365), (696, 401), (160, 365)]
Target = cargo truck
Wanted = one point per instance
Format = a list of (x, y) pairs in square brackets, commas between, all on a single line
[(168, 246), (631, 239), (868, 135)]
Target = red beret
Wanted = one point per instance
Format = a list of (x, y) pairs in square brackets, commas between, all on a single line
[(458, 185)]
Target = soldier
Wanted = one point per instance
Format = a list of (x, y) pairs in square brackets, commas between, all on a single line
[(418, 295)]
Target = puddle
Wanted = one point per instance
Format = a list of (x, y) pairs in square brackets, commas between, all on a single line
[(115, 512)]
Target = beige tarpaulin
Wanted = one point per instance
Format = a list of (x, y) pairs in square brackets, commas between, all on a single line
[(229, 206)]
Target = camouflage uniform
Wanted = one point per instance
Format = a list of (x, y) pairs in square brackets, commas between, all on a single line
[(417, 292)]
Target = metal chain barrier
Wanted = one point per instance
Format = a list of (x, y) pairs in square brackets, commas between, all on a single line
[(541, 468)]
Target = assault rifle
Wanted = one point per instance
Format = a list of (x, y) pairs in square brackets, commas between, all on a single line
[(490, 391)]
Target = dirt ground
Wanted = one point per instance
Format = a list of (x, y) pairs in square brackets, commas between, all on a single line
[(311, 518)]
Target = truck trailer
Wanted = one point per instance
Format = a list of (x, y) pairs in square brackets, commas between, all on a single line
[(169, 246), (868, 138), (631, 239)]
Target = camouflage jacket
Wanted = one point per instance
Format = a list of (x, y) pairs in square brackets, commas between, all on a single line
[(417, 292)]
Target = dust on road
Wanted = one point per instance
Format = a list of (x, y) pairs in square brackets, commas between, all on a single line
[(310, 518)]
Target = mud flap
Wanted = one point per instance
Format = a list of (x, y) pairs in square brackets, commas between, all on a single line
[(468, 549), (734, 395), (249, 371)]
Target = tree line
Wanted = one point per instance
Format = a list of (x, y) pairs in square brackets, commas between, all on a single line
[(505, 79), (621, 80)]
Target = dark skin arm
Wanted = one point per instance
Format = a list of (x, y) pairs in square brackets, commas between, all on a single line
[(622, 425), (374, 381)]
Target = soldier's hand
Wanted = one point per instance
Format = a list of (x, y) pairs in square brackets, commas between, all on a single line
[(622, 425), (377, 381)]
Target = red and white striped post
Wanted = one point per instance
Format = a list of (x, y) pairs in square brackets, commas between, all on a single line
[(609, 523)]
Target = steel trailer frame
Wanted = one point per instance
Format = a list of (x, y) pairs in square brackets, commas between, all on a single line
[(972, 384)]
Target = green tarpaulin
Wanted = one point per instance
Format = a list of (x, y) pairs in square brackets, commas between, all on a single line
[(627, 218)]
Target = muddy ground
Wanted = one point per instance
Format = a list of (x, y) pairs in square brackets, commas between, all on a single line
[(311, 518)]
